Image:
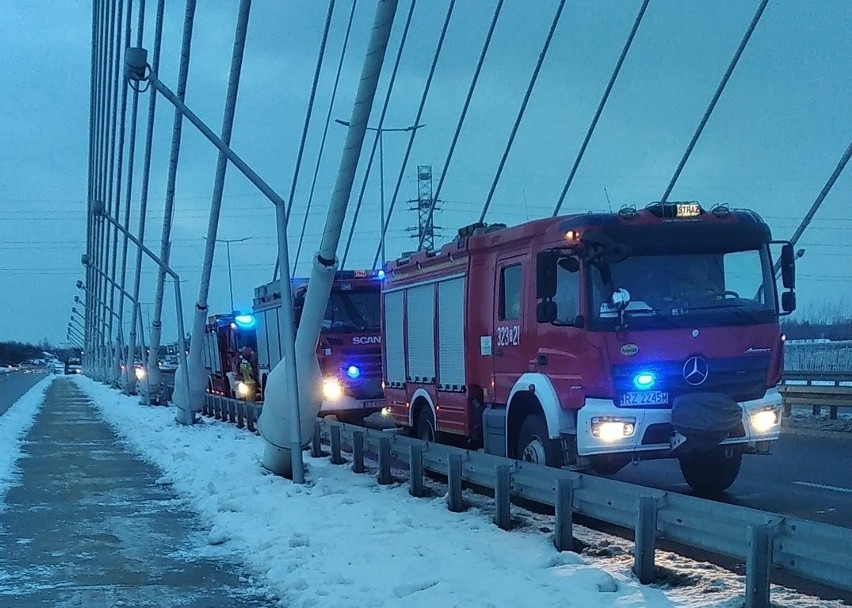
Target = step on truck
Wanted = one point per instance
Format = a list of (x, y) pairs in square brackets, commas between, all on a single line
[(349, 347), (595, 340)]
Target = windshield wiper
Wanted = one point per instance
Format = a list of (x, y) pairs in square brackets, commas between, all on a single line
[(743, 312)]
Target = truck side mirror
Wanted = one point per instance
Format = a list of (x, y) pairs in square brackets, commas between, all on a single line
[(788, 266), (788, 301), (545, 312), (545, 274)]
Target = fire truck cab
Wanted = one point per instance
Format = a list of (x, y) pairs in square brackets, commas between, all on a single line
[(349, 348), (226, 335), (595, 340)]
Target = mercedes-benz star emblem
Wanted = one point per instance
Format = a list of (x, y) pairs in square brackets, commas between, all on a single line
[(695, 370)]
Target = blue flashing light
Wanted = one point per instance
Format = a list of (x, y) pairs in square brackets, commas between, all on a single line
[(353, 371), (643, 380), (380, 275), (244, 321)]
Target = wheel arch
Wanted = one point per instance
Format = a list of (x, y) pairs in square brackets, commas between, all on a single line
[(419, 400), (534, 392)]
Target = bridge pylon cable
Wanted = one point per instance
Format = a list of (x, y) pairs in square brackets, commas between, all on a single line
[(485, 46), (423, 98), (325, 132), (522, 109), (391, 82), (601, 105), (746, 37)]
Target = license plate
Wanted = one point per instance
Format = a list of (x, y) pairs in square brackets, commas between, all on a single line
[(371, 404), (645, 398)]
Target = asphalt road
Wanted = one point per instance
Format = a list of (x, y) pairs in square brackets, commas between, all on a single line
[(14, 384), (804, 476)]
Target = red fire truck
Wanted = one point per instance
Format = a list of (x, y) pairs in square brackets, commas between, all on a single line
[(595, 340), (226, 336), (349, 348)]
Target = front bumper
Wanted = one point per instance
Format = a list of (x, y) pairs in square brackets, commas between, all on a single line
[(349, 404), (653, 431)]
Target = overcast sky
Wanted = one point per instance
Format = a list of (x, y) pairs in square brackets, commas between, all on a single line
[(776, 135)]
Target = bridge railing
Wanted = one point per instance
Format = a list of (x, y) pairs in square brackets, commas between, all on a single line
[(817, 389), (765, 541)]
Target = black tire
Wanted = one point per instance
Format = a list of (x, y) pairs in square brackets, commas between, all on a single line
[(425, 426), (711, 473), (535, 446)]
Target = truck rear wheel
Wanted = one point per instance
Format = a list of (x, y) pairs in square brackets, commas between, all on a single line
[(425, 428), (535, 446), (712, 472)]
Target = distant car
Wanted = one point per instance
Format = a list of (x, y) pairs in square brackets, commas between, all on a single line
[(73, 366)]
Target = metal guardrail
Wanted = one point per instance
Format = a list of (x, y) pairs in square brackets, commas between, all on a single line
[(834, 391), (765, 541)]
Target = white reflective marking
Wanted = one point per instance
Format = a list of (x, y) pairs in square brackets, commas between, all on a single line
[(824, 487)]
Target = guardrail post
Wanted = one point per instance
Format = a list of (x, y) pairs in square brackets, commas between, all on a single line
[(832, 412), (250, 418), (384, 475), (645, 537), (336, 458), (241, 408), (816, 410), (757, 567), (454, 481), (563, 536), (503, 497), (415, 470), (358, 451), (316, 445), (232, 411)]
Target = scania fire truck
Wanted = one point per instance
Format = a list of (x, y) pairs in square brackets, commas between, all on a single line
[(594, 340), (226, 336), (349, 348)]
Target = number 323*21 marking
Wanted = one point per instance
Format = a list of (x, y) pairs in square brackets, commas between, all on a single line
[(509, 336)]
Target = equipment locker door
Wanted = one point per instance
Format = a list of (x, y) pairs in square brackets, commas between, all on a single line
[(510, 322)]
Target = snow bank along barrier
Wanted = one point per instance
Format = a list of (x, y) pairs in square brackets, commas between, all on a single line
[(765, 541), (833, 391)]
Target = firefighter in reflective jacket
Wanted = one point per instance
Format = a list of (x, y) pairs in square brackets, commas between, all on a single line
[(249, 385)]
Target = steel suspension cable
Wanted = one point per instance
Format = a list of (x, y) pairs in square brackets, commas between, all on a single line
[(90, 189), (131, 157), (462, 116), (391, 82), (116, 157), (325, 133), (716, 95), (601, 105), (410, 145), (146, 161), (522, 109), (307, 122)]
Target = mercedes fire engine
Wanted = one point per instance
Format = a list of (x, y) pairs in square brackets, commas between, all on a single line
[(595, 340), (349, 348), (226, 336)]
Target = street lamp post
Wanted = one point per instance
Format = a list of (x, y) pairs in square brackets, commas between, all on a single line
[(381, 131)]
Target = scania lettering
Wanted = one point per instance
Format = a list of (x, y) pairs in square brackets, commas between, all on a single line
[(349, 348), (595, 340)]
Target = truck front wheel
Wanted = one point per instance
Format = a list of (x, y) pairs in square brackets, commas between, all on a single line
[(535, 446), (711, 472)]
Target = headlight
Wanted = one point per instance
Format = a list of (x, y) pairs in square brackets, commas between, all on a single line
[(332, 390), (610, 429), (242, 389), (140, 373), (386, 411), (763, 420)]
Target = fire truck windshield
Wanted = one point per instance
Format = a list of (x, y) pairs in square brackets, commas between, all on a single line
[(731, 288), (353, 311)]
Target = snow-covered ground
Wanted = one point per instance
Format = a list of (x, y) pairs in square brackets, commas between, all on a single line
[(342, 540), (14, 425)]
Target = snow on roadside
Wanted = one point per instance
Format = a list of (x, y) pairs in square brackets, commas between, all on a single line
[(15, 423), (342, 540)]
